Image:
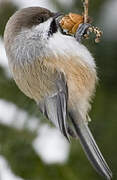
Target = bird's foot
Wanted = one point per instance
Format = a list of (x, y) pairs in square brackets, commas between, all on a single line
[(81, 31)]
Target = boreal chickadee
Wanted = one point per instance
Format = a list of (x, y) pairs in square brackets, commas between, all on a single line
[(57, 71)]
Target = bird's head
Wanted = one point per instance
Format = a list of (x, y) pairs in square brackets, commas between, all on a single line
[(31, 17), (29, 25)]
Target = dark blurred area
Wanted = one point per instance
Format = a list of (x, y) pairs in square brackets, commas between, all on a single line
[(16, 145)]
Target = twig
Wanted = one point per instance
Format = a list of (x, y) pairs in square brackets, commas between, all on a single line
[(86, 8)]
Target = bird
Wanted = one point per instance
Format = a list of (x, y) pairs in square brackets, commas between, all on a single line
[(58, 72)]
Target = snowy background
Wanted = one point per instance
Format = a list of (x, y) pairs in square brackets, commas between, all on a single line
[(49, 144)]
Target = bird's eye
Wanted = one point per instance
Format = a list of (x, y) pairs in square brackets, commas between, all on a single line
[(40, 19), (43, 19)]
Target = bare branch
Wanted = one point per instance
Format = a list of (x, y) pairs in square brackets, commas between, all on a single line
[(86, 8)]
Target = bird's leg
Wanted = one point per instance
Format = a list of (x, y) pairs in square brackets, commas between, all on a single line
[(81, 31)]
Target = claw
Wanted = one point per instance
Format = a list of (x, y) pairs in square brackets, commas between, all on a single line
[(81, 31)]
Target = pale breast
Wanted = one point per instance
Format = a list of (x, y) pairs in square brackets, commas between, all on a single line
[(38, 79), (35, 79)]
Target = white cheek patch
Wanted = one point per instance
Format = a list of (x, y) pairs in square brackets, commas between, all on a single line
[(44, 28), (31, 43)]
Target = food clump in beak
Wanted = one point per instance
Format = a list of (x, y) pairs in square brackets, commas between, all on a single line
[(71, 23)]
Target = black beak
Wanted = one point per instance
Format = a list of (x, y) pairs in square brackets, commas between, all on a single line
[(57, 18), (57, 15), (54, 26)]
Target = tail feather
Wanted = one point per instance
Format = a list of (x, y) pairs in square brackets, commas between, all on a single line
[(90, 147)]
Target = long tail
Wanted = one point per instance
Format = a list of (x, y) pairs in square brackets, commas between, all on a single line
[(90, 147)]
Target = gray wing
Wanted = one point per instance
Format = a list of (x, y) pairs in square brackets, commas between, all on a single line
[(55, 106)]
